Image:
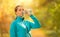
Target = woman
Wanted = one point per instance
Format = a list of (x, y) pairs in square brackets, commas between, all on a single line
[(20, 27)]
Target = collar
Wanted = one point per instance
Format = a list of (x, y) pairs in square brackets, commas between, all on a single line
[(19, 18)]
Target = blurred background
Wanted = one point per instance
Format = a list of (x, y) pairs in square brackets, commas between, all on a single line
[(46, 11)]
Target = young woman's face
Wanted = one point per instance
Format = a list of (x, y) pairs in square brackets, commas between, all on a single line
[(20, 11)]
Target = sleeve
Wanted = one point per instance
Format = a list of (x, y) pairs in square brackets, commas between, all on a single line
[(12, 30), (36, 23)]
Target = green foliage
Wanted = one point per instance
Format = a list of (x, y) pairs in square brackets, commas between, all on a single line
[(51, 19)]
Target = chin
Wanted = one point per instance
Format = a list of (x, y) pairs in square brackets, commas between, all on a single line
[(21, 15)]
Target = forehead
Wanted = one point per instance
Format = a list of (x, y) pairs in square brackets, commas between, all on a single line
[(20, 7)]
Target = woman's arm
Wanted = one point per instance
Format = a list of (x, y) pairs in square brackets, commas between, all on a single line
[(36, 23)]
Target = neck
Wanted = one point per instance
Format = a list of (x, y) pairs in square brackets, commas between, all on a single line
[(20, 18), (19, 15)]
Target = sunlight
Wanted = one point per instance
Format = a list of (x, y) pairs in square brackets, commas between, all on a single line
[(24, 2)]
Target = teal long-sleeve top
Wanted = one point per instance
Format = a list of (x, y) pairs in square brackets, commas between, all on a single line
[(21, 28)]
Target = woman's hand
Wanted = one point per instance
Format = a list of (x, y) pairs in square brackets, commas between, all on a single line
[(28, 12)]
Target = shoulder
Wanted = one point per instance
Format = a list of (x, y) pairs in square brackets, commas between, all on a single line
[(13, 22)]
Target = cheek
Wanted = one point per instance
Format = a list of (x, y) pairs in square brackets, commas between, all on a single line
[(18, 12)]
